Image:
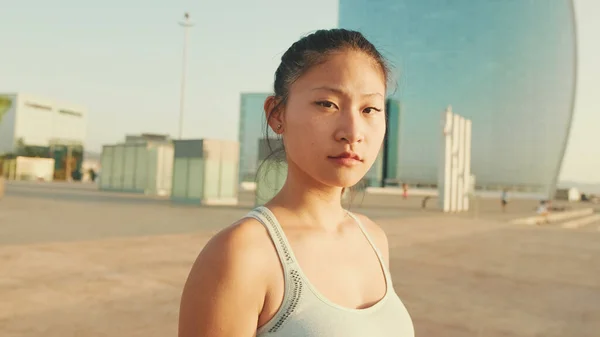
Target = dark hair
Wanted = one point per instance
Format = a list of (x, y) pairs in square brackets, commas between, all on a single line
[(308, 52), (313, 49)]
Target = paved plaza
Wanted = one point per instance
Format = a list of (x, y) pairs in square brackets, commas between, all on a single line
[(78, 262)]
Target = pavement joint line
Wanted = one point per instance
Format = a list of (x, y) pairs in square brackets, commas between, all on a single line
[(581, 222), (554, 217)]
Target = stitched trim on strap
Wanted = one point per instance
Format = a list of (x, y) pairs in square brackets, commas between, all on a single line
[(293, 280)]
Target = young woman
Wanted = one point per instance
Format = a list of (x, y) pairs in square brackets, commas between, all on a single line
[(303, 266)]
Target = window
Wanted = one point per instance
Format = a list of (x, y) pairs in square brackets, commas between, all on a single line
[(38, 106), (69, 112)]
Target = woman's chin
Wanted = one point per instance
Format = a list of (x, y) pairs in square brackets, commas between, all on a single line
[(343, 180)]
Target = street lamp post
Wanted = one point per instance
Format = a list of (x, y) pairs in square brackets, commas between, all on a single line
[(186, 24)]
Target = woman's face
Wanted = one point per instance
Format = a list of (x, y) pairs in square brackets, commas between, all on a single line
[(334, 119)]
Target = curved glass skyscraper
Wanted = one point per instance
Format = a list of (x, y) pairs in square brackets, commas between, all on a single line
[(508, 65)]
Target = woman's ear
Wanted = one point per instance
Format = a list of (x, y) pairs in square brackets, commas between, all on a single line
[(274, 114)]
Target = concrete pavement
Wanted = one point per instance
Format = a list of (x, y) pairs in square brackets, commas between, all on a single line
[(77, 262)]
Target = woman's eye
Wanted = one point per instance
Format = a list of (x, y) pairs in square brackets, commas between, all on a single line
[(326, 104), (371, 110)]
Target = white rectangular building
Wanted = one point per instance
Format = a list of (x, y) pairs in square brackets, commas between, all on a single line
[(36, 121)]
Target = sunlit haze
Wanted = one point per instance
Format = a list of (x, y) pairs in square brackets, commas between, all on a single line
[(122, 60)]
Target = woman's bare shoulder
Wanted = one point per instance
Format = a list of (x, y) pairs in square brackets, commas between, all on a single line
[(371, 226), (377, 234), (228, 282), (246, 240)]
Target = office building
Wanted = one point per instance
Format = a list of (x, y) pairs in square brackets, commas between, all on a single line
[(252, 129), (509, 66), (26, 120), (36, 127), (391, 143), (385, 169)]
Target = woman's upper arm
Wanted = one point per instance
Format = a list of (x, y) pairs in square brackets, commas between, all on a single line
[(226, 287)]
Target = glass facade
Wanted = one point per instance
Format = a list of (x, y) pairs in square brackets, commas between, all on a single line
[(252, 129), (391, 146), (385, 169), (374, 176), (508, 65)]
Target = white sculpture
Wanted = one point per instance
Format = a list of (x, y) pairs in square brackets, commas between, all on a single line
[(454, 180)]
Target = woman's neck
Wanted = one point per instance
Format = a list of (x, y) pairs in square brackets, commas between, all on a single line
[(314, 204)]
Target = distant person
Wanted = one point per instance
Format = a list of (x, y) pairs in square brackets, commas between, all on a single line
[(504, 199), (93, 175), (543, 212), (76, 175), (304, 266), (404, 191)]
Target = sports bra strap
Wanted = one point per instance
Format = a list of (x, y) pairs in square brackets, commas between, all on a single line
[(264, 216)]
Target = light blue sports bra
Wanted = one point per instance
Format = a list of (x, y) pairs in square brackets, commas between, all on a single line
[(304, 312)]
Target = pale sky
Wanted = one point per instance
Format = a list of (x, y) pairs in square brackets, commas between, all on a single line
[(122, 60)]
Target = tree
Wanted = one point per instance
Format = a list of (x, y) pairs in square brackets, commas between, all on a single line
[(5, 104)]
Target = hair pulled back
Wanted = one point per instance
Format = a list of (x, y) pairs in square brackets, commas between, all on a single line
[(313, 50), (310, 51)]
